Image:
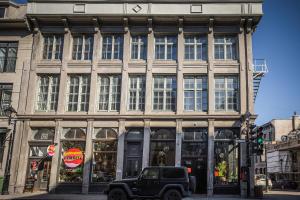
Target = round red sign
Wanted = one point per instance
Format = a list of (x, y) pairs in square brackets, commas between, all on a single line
[(73, 157), (51, 150)]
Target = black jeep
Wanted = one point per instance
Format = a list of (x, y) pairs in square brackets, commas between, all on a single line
[(166, 183)]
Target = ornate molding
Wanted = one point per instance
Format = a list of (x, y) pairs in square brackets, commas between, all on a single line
[(150, 25), (96, 23), (242, 25), (210, 24), (35, 24), (66, 24), (180, 25), (125, 22), (249, 25)]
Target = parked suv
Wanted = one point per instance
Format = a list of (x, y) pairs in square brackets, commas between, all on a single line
[(166, 183)]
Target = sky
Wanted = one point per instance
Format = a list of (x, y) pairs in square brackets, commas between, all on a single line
[(277, 39)]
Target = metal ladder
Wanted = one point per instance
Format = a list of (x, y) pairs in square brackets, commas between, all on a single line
[(259, 70)]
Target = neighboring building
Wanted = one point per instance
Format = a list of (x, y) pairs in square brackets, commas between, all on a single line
[(15, 52), (124, 85)]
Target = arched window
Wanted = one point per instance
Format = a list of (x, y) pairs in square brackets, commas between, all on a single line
[(43, 134), (163, 134), (75, 133), (226, 134), (106, 133)]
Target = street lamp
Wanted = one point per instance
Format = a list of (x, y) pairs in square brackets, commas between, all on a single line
[(11, 113)]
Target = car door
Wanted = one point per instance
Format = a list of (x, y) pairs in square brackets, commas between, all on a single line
[(149, 183)]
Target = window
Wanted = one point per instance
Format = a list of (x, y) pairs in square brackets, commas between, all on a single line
[(72, 155), (136, 97), (109, 92), (8, 56), (2, 12), (195, 93), (5, 95), (83, 47), (79, 93), (47, 95), (226, 93), (195, 48), (226, 157), (166, 48), (53, 47), (170, 173), (225, 47), (149, 173), (2, 144), (164, 93), (112, 47), (139, 47), (162, 147), (104, 155)]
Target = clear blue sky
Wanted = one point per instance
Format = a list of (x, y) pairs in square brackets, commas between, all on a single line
[(277, 39)]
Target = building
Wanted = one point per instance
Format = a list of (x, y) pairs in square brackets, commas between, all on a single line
[(15, 52), (120, 85)]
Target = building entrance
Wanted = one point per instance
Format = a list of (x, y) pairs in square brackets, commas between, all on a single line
[(194, 156)]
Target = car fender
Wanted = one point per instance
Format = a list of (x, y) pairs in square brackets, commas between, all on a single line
[(169, 186), (124, 186)]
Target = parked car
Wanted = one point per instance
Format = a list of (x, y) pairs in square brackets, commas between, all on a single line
[(154, 182), (285, 184), (260, 180)]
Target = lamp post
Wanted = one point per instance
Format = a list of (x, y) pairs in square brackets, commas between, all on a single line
[(11, 113), (246, 118)]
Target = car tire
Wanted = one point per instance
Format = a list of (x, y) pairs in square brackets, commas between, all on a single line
[(172, 194), (117, 194)]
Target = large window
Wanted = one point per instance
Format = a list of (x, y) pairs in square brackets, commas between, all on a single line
[(104, 155), (195, 93), (83, 47), (166, 48), (2, 144), (194, 143), (78, 93), (195, 48), (225, 47), (53, 47), (136, 97), (226, 93), (162, 147), (112, 47), (5, 95), (47, 94), (164, 93), (72, 155), (109, 92), (139, 47), (226, 157), (8, 56)]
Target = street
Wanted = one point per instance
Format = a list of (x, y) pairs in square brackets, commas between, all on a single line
[(280, 195)]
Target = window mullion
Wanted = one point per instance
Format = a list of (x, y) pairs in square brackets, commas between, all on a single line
[(226, 90), (195, 48), (49, 92), (113, 47), (166, 48), (79, 93), (195, 94), (110, 93), (53, 47), (165, 94), (137, 94), (139, 47), (83, 47)]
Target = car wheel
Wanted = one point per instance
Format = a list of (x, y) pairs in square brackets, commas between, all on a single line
[(172, 195), (117, 194)]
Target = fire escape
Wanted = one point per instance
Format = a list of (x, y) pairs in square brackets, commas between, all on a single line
[(259, 70)]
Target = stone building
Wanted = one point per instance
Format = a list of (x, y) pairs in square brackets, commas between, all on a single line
[(120, 85)]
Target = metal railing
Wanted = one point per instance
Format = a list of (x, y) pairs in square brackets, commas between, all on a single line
[(260, 66)]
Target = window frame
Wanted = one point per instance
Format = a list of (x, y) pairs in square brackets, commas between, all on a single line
[(226, 90), (9, 45), (225, 44), (84, 37), (166, 44), (53, 52), (195, 45), (5, 87), (80, 92), (49, 93), (137, 90), (164, 90), (110, 95), (113, 43), (139, 44)]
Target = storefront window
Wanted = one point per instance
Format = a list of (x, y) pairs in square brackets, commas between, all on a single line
[(104, 155), (226, 157), (162, 147), (72, 155), (194, 142)]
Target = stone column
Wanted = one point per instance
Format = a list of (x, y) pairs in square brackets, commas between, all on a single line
[(149, 77), (88, 158), (180, 59), (61, 107), (210, 72), (146, 144), (242, 78), (249, 71), (126, 56), (178, 142), (243, 163), (120, 153), (210, 158), (56, 158)]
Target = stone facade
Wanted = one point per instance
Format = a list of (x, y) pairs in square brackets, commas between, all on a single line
[(237, 18)]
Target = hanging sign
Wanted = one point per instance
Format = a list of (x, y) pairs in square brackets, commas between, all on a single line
[(34, 165), (73, 157), (51, 150)]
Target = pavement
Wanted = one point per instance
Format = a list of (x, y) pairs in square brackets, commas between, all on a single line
[(276, 195)]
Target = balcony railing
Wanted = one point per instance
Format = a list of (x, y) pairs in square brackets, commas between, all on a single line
[(8, 64), (260, 66)]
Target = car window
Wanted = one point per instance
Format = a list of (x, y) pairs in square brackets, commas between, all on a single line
[(173, 173), (151, 174)]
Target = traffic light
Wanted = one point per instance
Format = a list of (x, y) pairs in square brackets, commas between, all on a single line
[(260, 141)]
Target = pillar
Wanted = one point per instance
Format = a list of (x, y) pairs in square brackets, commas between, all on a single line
[(146, 144), (120, 153), (210, 71), (178, 142), (88, 158), (210, 158)]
